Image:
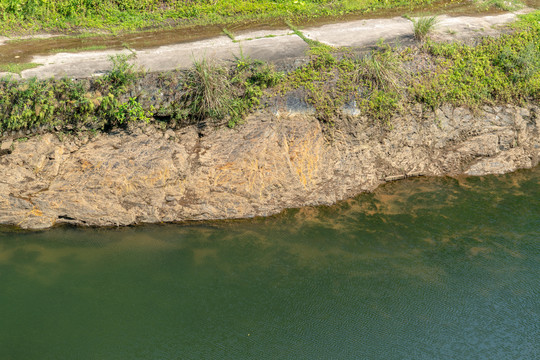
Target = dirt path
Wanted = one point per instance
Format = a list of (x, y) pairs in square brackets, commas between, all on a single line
[(268, 45)]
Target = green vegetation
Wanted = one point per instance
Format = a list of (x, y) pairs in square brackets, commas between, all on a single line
[(80, 49), (382, 84), (214, 92), (504, 69), (508, 5), (121, 75), (496, 70), (208, 91), (229, 34), (312, 43), (333, 80), (16, 68), (69, 104), (130, 15), (423, 26)]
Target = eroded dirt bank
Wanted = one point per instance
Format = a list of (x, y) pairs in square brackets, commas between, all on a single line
[(274, 161)]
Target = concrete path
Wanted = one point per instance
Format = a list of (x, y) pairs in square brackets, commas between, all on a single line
[(268, 45)]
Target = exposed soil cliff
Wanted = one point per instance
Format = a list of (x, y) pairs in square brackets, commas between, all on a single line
[(276, 160)]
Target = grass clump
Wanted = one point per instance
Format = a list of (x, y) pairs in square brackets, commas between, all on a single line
[(423, 26), (381, 69), (207, 91), (216, 93)]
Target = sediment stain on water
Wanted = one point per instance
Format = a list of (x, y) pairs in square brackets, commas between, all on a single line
[(425, 268)]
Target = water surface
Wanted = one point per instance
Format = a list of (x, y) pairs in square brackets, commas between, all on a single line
[(421, 269)]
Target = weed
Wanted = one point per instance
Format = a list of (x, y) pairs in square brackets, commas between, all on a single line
[(519, 64), (313, 44), (381, 69), (122, 73), (383, 105), (16, 68), (495, 70), (250, 78), (423, 26), (207, 91), (229, 34)]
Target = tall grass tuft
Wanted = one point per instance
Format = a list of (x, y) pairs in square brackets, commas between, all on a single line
[(380, 69), (208, 93), (423, 26)]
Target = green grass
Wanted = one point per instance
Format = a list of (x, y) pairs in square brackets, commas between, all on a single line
[(25, 16), (507, 5), (80, 49), (208, 94), (423, 26), (497, 70), (229, 34), (312, 43), (17, 68)]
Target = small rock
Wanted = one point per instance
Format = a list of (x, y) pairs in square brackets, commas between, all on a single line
[(169, 198), (524, 112), (6, 144), (169, 134)]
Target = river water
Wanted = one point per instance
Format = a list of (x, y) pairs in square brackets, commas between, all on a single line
[(420, 269)]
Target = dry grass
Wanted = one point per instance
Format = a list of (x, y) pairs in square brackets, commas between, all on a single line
[(208, 93)]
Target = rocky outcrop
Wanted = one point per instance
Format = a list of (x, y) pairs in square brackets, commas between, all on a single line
[(276, 160)]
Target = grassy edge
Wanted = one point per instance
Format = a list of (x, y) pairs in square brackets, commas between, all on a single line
[(126, 21), (496, 70)]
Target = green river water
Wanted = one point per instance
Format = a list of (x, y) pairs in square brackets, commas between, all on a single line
[(420, 269)]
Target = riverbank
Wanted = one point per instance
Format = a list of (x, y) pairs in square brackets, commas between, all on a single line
[(133, 148), (272, 162)]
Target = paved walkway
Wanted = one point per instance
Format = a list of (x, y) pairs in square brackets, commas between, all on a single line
[(268, 45)]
